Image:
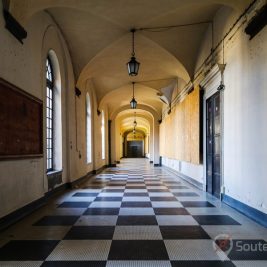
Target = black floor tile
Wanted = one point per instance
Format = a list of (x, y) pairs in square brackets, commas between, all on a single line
[(116, 184), (74, 204), (158, 190), (102, 211), (202, 264), (186, 194), (56, 220), (113, 190), (108, 199), (183, 232), (94, 187), (74, 264), (135, 187), (137, 220), (163, 199), (83, 194), (90, 232), (196, 204), (171, 211), (138, 250), (135, 183), (156, 184), (135, 194), (27, 250), (215, 220), (245, 250), (99, 182), (133, 204)]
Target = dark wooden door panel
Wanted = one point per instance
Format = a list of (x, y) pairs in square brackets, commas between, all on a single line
[(213, 147)]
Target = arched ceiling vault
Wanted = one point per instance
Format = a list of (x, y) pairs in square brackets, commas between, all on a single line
[(144, 121), (97, 34), (148, 112)]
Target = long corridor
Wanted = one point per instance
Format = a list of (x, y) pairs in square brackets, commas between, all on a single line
[(134, 215)]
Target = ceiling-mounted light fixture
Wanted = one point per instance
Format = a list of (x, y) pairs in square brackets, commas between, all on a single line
[(135, 123), (133, 102), (134, 131), (133, 65), (221, 67)]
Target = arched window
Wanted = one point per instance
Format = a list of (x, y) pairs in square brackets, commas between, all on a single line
[(49, 114), (103, 134), (88, 130), (53, 114)]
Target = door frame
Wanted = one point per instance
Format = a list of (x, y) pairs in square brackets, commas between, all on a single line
[(210, 84)]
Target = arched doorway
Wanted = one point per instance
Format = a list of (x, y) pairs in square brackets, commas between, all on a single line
[(134, 144)]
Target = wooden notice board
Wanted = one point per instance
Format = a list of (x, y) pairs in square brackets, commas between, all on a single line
[(20, 123)]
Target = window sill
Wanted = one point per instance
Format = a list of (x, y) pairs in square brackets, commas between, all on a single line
[(53, 172), (54, 178)]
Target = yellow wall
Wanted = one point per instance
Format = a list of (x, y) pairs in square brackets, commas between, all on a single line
[(179, 131)]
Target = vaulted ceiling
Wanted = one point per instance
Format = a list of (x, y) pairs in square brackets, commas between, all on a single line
[(97, 34), (143, 118)]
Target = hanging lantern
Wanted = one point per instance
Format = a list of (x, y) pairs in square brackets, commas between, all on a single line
[(133, 102), (133, 64)]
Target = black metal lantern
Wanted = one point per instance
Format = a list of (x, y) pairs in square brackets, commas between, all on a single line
[(133, 65), (135, 123), (133, 102)]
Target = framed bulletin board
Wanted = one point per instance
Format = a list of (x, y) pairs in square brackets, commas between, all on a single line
[(21, 123)]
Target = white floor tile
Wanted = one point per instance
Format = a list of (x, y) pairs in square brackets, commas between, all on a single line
[(137, 233), (81, 250), (192, 250), (136, 211), (176, 220), (106, 204)]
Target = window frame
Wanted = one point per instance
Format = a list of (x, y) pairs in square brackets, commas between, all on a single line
[(49, 116), (88, 133), (103, 137)]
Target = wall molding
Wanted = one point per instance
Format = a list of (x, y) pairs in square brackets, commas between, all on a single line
[(252, 213), (188, 179), (26, 210)]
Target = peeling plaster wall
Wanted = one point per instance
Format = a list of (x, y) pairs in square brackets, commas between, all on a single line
[(187, 169), (245, 112), (24, 180)]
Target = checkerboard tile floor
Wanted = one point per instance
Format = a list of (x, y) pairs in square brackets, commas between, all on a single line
[(132, 215)]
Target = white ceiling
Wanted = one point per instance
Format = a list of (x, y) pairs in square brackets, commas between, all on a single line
[(97, 34)]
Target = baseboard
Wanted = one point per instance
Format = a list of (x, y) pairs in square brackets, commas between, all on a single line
[(100, 169), (186, 178), (252, 213), (112, 165), (22, 212), (81, 180)]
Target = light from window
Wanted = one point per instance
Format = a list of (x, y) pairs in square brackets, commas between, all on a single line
[(49, 115), (88, 130), (103, 134)]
